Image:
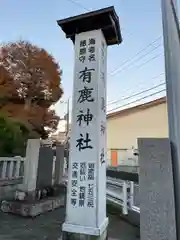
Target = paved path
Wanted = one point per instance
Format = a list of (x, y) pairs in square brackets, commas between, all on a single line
[(48, 227)]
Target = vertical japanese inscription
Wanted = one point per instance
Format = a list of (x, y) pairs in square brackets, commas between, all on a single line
[(91, 50), (84, 172), (84, 142), (103, 128), (85, 95), (102, 156), (90, 196), (74, 184), (103, 105), (103, 77), (91, 171), (86, 75), (84, 117), (82, 192), (103, 52), (82, 51)]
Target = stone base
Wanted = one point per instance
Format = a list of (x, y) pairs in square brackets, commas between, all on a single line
[(78, 236), (40, 194), (34, 208), (92, 231)]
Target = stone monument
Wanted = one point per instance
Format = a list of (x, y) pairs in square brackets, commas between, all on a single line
[(157, 209), (37, 195), (59, 164), (86, 195)]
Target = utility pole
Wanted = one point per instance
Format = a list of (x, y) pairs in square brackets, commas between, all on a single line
[(171, 35), (67, 132), (67, 118)]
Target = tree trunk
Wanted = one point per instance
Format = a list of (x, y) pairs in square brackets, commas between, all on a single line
[(27, 104)]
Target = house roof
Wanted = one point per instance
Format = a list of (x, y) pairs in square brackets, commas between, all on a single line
[(137, 108)]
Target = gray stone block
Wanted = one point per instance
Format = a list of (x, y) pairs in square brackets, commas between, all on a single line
[(45, 166), (157, 209), (27, 209), (59, 164), (136, 195)]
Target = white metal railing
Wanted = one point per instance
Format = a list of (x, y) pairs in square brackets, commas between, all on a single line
[(11, 168), (121, 193)]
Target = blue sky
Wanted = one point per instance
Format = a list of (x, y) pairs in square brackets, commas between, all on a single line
[(141, 24)]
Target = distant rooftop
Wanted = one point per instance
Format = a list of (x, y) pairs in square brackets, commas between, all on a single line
[(105, 19), (137, 108)]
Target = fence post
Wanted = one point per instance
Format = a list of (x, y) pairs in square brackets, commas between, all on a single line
[(125, 210), (131, 199), (10, 173), (4, 169), (18, 163)]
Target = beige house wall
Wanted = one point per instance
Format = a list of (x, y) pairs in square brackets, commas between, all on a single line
[(124, 129)]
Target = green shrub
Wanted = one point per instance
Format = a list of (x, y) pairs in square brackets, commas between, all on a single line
[(13, 137)]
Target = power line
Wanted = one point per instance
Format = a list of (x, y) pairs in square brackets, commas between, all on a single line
[(150, 60), (115, 71), (136, 94), (132, 63), (157, 76), (152, 78), (136, 54), (136, 100), (88, 9), (79, 5)]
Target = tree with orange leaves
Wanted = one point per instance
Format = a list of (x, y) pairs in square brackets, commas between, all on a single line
[(31, 78)]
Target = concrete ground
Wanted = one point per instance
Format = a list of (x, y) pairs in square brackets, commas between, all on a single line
[(48, 227)]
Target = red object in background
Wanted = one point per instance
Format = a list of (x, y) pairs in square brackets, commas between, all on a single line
[(114, 158)]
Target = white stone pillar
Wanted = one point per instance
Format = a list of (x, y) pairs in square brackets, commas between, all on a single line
[(31, 165), (86, 199)]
